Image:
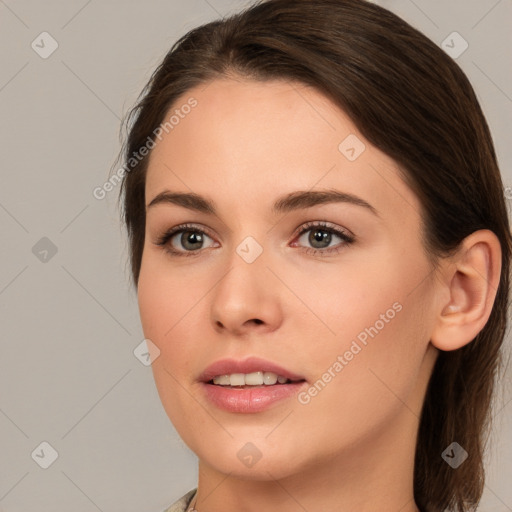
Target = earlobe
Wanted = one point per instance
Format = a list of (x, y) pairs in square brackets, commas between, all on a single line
[(470, 280)]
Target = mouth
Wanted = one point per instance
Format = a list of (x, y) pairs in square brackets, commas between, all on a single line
[(249, 386), (250, 380), (252, 371)]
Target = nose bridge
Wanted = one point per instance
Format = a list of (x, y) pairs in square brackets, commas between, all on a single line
[(245, 292), (247, 273)]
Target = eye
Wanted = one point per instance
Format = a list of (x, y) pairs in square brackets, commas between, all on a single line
[(320, 236), (185, 240)]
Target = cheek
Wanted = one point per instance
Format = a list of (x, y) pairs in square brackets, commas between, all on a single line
[(345, 301), (166, 295), (374, 332), (164, 300), (365, 385)]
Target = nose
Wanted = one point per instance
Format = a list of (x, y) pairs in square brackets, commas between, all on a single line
[(247, 299)]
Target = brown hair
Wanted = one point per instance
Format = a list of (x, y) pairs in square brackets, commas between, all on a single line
[(410, 100)]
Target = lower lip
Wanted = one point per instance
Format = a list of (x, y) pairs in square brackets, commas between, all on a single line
[(250, 400)]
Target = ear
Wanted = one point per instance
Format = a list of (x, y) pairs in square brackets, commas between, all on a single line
[(469, 283)]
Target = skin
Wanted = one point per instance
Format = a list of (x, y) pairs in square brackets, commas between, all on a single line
[(352, 446)]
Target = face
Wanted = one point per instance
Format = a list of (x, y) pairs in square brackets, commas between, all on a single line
[(298, 254)]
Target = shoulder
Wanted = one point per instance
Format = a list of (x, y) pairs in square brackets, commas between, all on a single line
[(182, 504)]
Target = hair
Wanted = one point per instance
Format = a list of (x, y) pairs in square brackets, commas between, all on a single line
[(414, 103)]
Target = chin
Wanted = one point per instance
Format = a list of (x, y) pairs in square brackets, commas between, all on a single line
[(267, 468)]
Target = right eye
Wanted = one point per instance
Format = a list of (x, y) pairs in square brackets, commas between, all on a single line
[(185, 240)]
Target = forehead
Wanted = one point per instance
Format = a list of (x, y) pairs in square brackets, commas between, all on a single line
[(245, 142)]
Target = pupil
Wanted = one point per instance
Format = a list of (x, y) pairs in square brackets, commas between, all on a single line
[(321, 237), (189, 238)]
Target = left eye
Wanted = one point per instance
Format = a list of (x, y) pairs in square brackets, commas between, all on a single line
[(320, 237)]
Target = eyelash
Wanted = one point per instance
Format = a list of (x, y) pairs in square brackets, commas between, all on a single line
[(348, 239)]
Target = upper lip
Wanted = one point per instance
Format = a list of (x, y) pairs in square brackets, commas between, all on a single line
[(249, 365)]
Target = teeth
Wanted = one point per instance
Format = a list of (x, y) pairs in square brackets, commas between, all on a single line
[(237, 379), (249, 379), (223, 380), (269, 378), (254, 379)]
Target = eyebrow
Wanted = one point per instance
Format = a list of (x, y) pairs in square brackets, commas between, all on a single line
[(293, 201)]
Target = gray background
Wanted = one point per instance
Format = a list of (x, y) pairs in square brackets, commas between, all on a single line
[(69, 320)]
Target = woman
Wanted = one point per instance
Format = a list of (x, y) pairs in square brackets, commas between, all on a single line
[(320, 246)]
